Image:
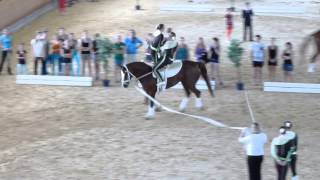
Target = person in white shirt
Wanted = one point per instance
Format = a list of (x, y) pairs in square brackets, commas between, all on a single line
[(293, 137), (254, 144), (39, 52), (257, 56)]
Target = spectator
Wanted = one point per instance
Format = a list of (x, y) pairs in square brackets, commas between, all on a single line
[(39, 52), (95, 55), (85, 44), (75, 55), (287, 62), (247, 14), (54, 59), (281, 153), (6, 48), (47, 48), (257, 56), (254, 145), (62, 6), (119, 50), (293, 137), (21, 58), (182, 50), (133, 44), (272, 59), (66, 53), (147, 44), (229, 23), (201, 53), (215, 50), (62, 35)]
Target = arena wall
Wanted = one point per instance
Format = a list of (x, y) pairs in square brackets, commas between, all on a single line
[(13, 10)]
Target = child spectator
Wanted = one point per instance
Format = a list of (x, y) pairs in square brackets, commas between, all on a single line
[(75, 55), (201, 53), (6, 48), (229, 23), (61, 6), (21, 58), (272, 59), (85, 44), (66, 53), (39, 48), (119, 50), (54, 59), (133, 44), (257, 56), (182, 50), (214, 60), (287, 62), (147, 44)]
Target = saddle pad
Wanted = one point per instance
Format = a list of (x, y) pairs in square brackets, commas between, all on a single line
[(172, 69)]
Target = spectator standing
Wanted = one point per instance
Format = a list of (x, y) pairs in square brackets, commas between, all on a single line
[(21, 58), (66, 53), (119, 49), (62, 6), (214, 60), (182, 51), (95, 55), (39, 52), (85, 44), (257, 56), (254, 145), (229, 23), (287, 66), (54, 59), (76, 67), (293, 137), (247, 14), (201, 53), (272, 59), (281, 153), (62, 35), (133, 43), (147, 44), (6, 48)]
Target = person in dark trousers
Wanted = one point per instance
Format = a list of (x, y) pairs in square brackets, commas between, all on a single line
[(6, 49), (293, 137), (254, 144), (281, 152), (247, 14)]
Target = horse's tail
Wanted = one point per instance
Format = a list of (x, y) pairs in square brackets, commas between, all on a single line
[(304, 45), (204, 74)]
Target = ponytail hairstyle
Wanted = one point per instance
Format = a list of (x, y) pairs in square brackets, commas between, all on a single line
[(159, 27)]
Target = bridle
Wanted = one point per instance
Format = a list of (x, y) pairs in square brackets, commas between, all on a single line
[(131, 76)]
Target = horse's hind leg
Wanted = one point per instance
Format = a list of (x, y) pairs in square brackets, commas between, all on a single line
[(184, 103), (198, 103)]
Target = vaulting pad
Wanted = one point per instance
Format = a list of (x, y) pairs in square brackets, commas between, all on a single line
[(54, 80), (201, 85), (192, 8), (291, 87)]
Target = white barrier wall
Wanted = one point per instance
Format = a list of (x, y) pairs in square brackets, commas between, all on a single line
[(291, 87), (54, 80)]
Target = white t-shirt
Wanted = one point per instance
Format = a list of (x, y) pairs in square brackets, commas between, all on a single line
[(254, 144), (258, 51)]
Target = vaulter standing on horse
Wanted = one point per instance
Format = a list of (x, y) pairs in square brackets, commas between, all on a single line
[(162, 51)]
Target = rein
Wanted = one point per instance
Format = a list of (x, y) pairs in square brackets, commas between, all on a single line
[(129, 74)]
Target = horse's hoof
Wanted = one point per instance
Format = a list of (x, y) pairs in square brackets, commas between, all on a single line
[(182, 110), (149, 117), (158, 109)]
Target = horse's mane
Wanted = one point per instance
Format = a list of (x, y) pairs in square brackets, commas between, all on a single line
[(140, 65)]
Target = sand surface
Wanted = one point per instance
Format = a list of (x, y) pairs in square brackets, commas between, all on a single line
[(100, 133)]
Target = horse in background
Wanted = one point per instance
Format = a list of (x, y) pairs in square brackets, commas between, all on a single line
[(188, 75), (316, 38)]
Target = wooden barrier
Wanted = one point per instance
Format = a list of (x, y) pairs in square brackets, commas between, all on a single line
[(54, 80), (201, 85), (291, 87)]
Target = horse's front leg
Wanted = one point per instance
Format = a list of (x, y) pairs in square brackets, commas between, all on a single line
[(151, 110)]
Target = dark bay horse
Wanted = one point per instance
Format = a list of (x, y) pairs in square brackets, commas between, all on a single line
[(316, 37), (188, 76)]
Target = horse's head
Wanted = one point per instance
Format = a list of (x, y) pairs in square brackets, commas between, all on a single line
[(125, 76)]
